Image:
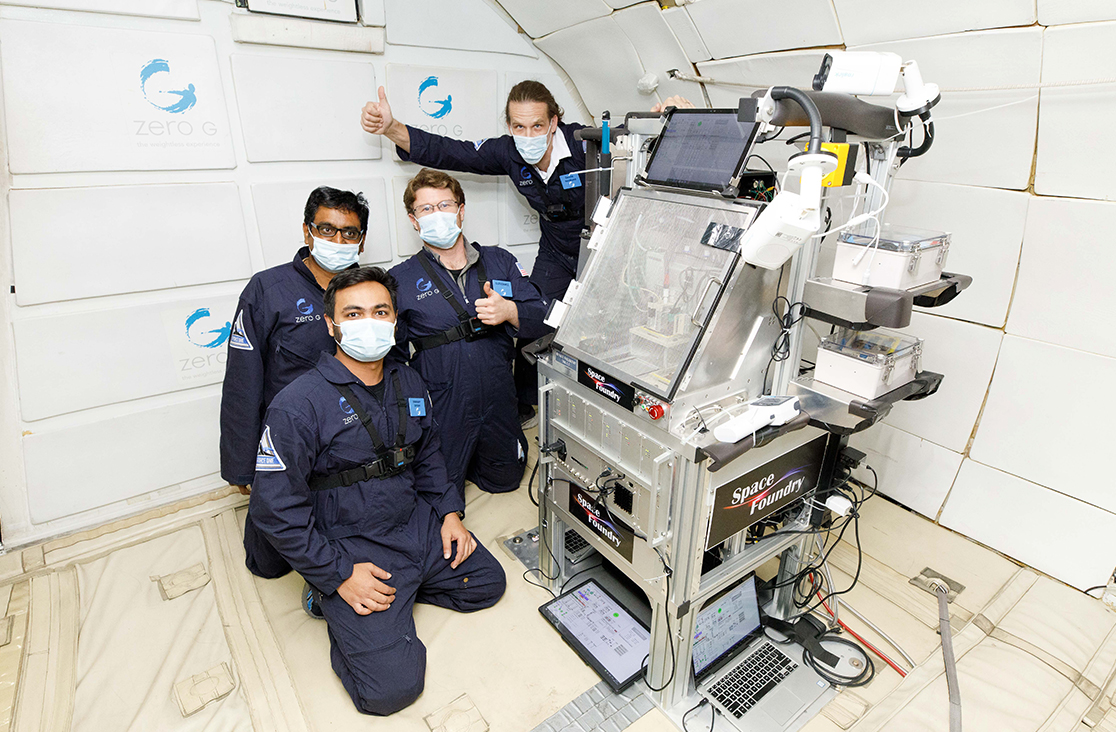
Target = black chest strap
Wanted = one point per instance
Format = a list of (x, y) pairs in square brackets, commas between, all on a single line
[(562, 209), (468, 327), (389, 461)]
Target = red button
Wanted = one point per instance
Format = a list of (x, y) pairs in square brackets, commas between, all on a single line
[(655, 410)]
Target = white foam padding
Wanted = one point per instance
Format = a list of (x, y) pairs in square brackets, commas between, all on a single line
[(1015, 516), (1058, 12), (1074, 122), (84, 465), (571, 106), (279, 98), (313, 9), (279, 215), (1067, 255), (986, 225), (603, 64), (177, 9), (372, 12), (541, 18), (658, 49), (469, 25), (742, 27), (519, 222), (1040, 428), (106, 248), (482, 213), (617, 4), (992, 144), (966, 354), (142, 100), (687, 34), (790, 68), (911, 470), (458, 103), (75, 361), (871, 21), (120, 679)]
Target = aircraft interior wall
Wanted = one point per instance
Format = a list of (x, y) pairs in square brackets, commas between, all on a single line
[(1002, 453)]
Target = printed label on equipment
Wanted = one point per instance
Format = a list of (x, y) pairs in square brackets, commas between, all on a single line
[(604, 524), (564, 360), (607, 386), (760, 493)]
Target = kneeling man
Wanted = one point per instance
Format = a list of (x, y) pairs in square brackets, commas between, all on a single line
[(351, 491)]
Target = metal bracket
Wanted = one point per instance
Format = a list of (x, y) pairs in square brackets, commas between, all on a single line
[(928, 580)]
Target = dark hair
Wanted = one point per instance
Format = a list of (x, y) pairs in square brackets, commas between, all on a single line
[(532, 91), (347, 278), (340, 200), (429, 178)]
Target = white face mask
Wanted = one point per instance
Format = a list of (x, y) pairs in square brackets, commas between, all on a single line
[(533, 149), (334, 257), (439, 229), (367, 339)]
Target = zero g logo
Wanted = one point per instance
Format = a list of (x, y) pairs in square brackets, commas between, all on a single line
[(205, 338), (307, 310), (525, 176), (431, 107), (157, 89), (348, 410), (423, 285)]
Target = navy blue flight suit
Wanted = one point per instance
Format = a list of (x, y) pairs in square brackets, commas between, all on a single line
[(470, 382), (277, 335), (560, 240), (395, 522)]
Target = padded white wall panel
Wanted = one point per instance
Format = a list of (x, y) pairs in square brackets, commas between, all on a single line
[(279, 212), (687, 34), (82, 466), (870, 21), (71, 362), (740, 27), (177, 9), (1059, 12), (519, 223), (602, 63), (470, 25), (372, 12), (1033, 426), (911, 470), (659, 51), (541, 18), (123, 239), (1074, 135), (456, 102), (482, 212), (279, 98), (80, 98), (966, 355), (621, 3), (987, 227), (1015, 517), (992, 144), (1065, 272)]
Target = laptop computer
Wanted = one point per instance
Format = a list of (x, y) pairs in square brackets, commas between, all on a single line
[(751, 681), (701, 149), (604, 633)]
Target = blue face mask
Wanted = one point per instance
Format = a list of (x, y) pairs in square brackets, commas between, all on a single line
[(439, 229), (367, 339), (334, 257), (532, 148)]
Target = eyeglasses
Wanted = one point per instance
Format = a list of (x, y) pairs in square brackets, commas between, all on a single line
[(328, 231), (444, 207)]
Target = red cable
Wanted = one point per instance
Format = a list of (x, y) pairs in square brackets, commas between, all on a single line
[(854, 634)]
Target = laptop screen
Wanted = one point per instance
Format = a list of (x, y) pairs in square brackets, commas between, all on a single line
[(724, 624), (700, 149)]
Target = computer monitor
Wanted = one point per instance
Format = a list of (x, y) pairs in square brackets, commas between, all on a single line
[(700, 149), (724, 625)]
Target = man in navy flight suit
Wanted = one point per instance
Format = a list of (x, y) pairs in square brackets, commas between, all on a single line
[(278, 331), (459, 307), (537, 156), (351, 491)]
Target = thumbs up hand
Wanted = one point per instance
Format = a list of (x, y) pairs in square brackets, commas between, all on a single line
[(376, 116), (493, 308)]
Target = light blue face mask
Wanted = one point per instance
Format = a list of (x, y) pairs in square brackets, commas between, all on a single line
[(367, 339), (334, 257), (439, 229), (532, 148)]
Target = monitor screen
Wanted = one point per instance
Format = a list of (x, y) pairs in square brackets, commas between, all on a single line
[(724, 624), (700, 149)]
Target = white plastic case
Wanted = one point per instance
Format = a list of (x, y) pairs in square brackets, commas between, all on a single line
[(903, 258), (868, 364)]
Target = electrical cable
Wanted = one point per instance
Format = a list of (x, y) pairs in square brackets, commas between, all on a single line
[(898, 669), (691, 710), (860, 679), (670, 636), (1098, 587)]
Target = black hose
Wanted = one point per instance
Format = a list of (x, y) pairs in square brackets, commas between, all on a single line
[(927, 140), (808, 106)]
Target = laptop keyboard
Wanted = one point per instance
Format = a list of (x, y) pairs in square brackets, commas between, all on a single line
[(741, 688)]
